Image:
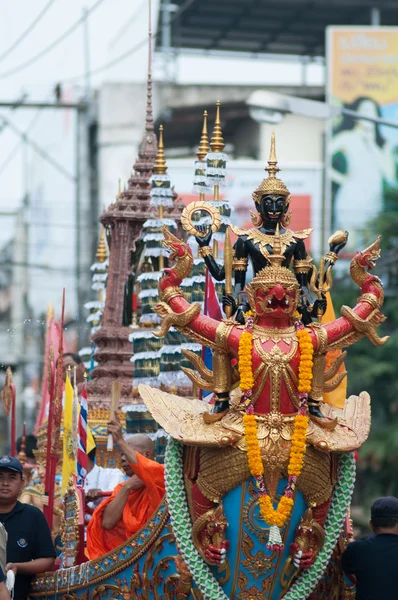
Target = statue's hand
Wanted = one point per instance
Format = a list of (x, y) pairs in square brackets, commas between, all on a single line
[(228, 300), (216, 555), (300, 559), (239, 317), (319, 307), (338, 242), (208, 533), (206, 238)]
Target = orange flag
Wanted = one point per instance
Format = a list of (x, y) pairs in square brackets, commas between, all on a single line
[(338, 396)]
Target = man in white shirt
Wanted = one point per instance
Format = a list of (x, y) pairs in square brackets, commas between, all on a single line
[(98, 480)]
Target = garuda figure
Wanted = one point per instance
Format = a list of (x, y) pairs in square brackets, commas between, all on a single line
[(287, 463)]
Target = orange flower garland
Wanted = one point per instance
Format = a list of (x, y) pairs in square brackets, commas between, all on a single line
[(275, 517)]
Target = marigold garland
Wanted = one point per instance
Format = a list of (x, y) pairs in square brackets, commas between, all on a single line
[(275, 517)]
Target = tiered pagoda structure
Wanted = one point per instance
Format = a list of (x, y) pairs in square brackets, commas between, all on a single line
[(123, 222)]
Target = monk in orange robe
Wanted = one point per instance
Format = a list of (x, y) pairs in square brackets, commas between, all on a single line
[(134, 501)]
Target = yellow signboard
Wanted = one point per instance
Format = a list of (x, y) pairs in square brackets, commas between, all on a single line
[(362, 65)]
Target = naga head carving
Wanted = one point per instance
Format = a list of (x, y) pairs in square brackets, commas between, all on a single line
[(177, 247), (368, 257)]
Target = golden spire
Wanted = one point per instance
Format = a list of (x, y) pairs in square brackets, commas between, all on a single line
[(271, 185), (102, 254), (272, 168), (276, 258), (204, 140), (217, 142), (119, 191), (160, 167)]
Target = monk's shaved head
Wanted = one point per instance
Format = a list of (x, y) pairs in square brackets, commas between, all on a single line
[(142, 443)]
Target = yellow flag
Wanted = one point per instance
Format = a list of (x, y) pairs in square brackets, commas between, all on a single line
[(69, 456), (90, 440), (338, 396)]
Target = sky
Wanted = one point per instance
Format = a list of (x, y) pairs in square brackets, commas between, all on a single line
[(114, 27)]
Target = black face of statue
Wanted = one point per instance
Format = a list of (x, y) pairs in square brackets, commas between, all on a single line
[(272, 209)]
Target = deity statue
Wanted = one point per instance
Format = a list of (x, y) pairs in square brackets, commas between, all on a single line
[(268, 432), (272, 200)]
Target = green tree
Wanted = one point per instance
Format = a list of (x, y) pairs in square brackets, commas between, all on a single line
[(375, 369)]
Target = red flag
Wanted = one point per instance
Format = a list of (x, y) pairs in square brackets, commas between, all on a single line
[(53, 335), (212, 305)]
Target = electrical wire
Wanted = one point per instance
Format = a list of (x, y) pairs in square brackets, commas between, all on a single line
[(129, 52), (19, 144), (53, 44), (126, 25), (28, 30), (60, 168)]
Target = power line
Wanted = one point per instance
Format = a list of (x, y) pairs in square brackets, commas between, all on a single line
[(111, 63), (60, 168), (27, 31), (126, 25), (19, 144), (53, 44), (129, 52)]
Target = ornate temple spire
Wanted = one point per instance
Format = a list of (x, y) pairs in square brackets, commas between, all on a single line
[(204, 140), (102, 253), (149, 127), (217, 141), (160, 167)]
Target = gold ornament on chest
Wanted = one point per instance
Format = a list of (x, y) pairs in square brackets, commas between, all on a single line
[(275, 365)]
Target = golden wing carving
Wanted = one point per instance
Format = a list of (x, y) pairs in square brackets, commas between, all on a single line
[(182, 418), (352, 429)]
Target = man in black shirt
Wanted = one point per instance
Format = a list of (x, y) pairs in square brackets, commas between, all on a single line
[(30, 548), (374, 561)]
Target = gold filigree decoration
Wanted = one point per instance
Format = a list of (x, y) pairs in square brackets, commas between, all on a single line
[(263, 239), (169, 293), (205, 251), (258, 563), (171, 318), (202, 206)]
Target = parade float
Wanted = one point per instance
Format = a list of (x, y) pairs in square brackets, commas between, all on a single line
[(259, 481)]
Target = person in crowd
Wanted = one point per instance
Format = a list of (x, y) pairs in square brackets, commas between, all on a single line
[(98, 480), (372, 562), (132, 502), (29, 462), (30, 549), (73, 360), (4, 594)]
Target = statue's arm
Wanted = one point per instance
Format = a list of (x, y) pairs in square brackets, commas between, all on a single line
[(216, 270), (205, 330), (241, 257), (362, 320)]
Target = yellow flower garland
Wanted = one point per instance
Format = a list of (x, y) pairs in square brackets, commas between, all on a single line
[(279, 515)]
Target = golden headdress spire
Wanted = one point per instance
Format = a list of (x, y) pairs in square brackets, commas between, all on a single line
[(160, 167), (272, 168), (271, 185), (204, 140), (217, 141), (101, 254)]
